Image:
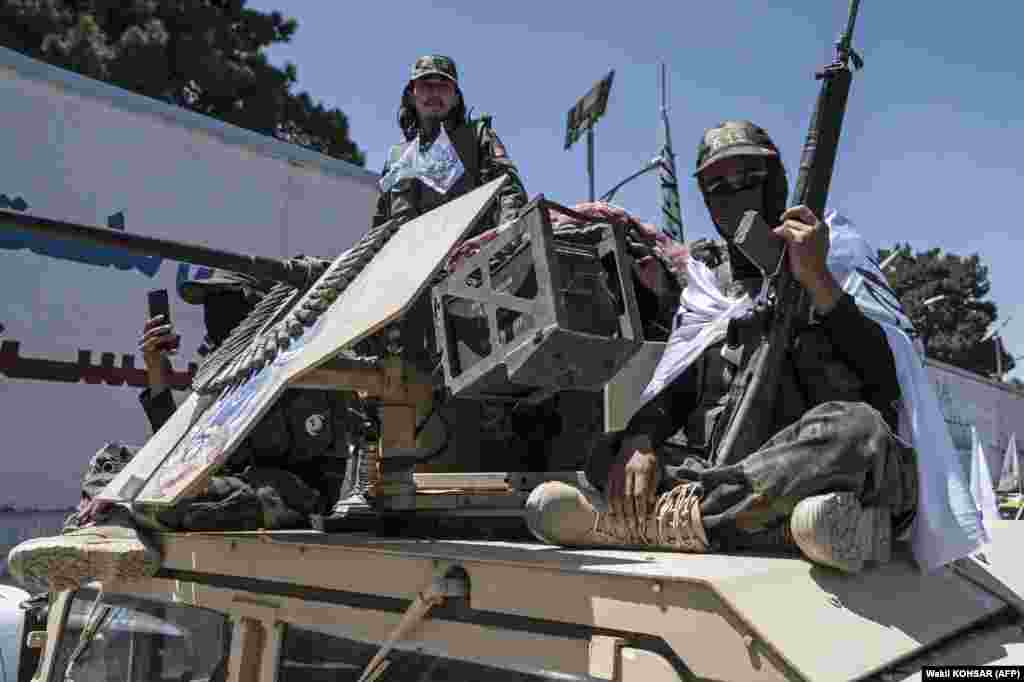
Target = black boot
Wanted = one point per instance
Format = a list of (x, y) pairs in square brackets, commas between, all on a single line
[(354, 509)]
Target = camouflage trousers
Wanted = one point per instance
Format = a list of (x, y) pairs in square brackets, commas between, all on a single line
[(258, 497), (835, 447)]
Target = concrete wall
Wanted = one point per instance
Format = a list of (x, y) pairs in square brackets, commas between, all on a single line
[(80, 150), (995, 409)]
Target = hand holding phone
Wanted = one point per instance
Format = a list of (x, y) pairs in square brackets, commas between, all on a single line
[(158, 335)]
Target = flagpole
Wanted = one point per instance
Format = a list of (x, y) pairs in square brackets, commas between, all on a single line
[(1020, 482), (671, 222), (1011, 449), (671, 213)]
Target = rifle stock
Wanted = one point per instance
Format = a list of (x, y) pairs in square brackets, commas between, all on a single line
[(749, 418)]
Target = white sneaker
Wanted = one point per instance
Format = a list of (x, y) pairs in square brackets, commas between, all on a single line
[(112, 550), (835, 530)]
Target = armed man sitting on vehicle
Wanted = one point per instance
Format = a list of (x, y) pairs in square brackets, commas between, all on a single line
[(275, 480), (833, 481)]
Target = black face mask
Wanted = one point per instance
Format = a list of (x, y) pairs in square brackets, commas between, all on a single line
[(222, 312), (728, 211)]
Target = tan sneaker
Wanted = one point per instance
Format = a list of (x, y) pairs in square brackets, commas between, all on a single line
[(561, 514), (835, 530), (112, 550)]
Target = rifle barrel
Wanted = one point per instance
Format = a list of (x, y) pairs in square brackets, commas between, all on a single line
[(746, 426), (851, 20), (255, 266)]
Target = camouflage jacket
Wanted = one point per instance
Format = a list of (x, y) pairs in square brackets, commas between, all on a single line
[(484, 157)]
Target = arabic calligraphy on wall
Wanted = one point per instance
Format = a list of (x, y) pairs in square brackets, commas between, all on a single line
[(106, 371)]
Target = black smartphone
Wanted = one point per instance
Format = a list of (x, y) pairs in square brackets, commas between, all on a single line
[(755, 239), (160, 304)]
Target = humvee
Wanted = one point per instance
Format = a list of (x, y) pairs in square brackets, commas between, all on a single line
[(307, 605), (335, 603)]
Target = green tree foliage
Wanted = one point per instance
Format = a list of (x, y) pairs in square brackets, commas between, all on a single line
[(204, 55), (953, 328)]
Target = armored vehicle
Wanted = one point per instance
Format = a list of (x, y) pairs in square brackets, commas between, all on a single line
[(383, 589), (387, 602), (314, 606)]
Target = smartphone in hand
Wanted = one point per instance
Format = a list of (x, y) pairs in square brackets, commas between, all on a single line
[(159, 304)]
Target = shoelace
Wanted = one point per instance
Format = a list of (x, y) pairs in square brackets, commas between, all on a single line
[(678, 515), (676, 518)]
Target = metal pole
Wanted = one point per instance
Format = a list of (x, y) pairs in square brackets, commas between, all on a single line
[(651, 165), (590, 158), (257, 266)]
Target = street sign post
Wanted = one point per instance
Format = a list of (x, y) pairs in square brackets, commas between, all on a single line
[(582, 117)]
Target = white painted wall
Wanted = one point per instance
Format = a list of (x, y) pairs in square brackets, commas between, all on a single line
[(967, 399), (79, 150)]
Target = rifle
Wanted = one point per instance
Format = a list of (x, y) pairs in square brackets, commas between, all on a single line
[(750, 410)]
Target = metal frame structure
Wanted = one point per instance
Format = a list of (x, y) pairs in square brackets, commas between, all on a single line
[(522, 365)]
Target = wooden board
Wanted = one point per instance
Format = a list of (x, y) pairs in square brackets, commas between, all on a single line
[(130, 481), (179, 459)]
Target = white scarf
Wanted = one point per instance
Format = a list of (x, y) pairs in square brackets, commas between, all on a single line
[(702, 320), (438, 166)]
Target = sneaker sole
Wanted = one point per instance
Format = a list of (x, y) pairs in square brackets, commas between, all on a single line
[(837, 531), (67, 566)]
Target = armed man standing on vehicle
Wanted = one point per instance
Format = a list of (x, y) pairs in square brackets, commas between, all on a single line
[(833, 481), (445, 153), (280, 474)]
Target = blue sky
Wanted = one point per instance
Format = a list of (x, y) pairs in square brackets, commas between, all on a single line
[(931, 153)]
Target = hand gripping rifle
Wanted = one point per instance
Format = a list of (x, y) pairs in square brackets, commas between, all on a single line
[(749, 415)]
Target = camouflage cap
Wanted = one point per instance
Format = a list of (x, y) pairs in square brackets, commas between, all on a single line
[(210, 280), (733, 138), (435, 65)]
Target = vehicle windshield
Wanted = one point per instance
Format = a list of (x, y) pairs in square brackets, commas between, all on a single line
[(129, 639)]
